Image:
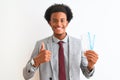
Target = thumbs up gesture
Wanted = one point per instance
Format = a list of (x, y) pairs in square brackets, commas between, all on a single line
[(43, 56)]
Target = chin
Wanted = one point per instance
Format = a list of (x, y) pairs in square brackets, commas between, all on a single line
[(58, 32)]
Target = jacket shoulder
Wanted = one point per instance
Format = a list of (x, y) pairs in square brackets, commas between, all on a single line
[(74, 39), (45, 40)]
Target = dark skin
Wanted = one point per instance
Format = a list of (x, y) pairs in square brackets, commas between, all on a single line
[(59, 23), (92, 58)]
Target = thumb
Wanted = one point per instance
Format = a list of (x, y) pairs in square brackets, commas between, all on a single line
[(42, 46)]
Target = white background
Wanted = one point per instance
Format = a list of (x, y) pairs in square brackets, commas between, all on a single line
[(22, 23)]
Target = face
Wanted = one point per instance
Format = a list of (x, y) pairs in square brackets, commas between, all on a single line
[(58, 23)]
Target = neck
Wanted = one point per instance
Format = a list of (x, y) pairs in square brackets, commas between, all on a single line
[(60, 36)]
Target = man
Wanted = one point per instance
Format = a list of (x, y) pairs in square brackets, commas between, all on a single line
[(46, 55)]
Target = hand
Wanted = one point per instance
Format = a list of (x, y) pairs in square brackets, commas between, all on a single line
[(92, 58), (43, 56)]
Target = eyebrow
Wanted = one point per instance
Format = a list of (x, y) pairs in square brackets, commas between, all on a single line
[(56, 19)]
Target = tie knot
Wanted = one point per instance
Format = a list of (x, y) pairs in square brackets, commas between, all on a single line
[(60, 42)]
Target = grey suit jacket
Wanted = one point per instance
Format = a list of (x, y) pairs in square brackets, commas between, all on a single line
[(76, 61)]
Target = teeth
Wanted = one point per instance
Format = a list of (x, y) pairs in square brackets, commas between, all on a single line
[(58, 28)]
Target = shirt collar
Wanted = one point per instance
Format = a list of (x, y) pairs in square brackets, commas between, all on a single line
[(56, 40)]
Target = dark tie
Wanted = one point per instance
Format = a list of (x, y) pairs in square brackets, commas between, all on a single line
[(62, 75)]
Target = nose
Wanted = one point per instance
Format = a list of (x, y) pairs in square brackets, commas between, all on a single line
[(58, 23)]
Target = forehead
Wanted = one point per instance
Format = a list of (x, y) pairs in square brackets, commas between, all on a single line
[(58, 15)]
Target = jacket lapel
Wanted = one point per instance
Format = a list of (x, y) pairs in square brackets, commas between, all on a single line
[(49, 47), (70, 55)]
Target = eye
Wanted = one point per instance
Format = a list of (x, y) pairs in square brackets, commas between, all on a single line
[(54, 20), (62, 20)]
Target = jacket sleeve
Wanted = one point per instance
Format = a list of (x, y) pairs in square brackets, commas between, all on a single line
[(84, 64), (29, 69)]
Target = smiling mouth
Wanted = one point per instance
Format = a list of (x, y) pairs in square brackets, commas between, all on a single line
[(58, 28)]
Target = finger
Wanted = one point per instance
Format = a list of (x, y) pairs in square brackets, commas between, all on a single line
[(42, 46), (48, 54), (92, 61), (47, 59), (90, 52), (91, 56)]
